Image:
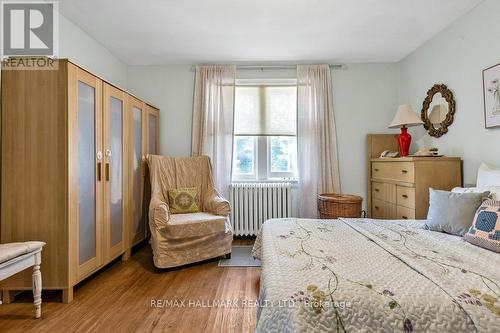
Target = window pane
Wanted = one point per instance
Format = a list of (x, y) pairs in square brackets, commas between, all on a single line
[(283, 154), (247, 115), (265, 110), (281, 110), (244, 155)]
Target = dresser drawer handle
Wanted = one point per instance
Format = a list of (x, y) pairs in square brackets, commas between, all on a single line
[(404, 171), (376, 207), (377, 190), (405, 196), (404, 217)]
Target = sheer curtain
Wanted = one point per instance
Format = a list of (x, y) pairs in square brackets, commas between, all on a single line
[(213, 113), (316, 136)]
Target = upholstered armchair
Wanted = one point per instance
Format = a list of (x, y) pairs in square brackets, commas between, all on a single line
[(179, 239)]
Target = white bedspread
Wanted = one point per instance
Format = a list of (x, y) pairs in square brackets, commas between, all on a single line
[(362, 275)]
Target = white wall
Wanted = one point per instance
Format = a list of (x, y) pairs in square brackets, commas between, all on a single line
[(86, 52), (456, 57), (365, 99), (169, 88)]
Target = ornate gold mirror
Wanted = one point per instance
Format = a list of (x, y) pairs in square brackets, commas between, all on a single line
[(438, 110)]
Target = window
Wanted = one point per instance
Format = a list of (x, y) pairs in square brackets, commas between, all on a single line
[(265, 127), (245, 161), (282, 156)]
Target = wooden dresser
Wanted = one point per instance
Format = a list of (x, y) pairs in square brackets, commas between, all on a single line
[(399, 187)]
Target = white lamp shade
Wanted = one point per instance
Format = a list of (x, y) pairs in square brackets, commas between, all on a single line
[(438, 114), (405, 117)]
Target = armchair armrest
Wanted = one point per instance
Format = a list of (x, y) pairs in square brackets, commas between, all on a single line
[(217, 205), (159, 213)]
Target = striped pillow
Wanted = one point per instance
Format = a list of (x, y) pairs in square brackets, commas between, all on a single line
[(485, 230)]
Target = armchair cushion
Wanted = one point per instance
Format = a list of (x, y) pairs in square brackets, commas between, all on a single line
[(194, 225)]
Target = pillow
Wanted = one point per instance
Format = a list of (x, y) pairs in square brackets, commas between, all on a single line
[(183, 200), (485, 230), (452, 212), (488, 175), (494, 191)]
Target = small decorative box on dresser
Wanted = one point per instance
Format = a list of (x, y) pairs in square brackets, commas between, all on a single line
[(400, 186)]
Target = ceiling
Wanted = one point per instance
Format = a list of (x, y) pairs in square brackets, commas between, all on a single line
[(155, 32)]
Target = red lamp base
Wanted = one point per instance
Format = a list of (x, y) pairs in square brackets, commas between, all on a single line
[(404, 141)]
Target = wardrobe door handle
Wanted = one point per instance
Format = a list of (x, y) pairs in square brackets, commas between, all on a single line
[(405, 196), (106, 171), (377, 190), (376, 170), (376, 207), (99, 171)]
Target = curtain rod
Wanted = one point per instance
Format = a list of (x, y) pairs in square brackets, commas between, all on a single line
[(262, 67)]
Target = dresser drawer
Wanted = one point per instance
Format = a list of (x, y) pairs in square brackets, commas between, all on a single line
[(405, 196), (383, 210), (396, 171), (384, 191), (404, 213)]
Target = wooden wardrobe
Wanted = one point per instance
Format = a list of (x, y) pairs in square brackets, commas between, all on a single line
[(72, 171)]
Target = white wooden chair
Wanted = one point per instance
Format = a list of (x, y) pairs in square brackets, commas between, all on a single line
[(16, 257)]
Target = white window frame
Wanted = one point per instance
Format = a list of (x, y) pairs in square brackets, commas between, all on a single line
[(262, 144), (278, 175)]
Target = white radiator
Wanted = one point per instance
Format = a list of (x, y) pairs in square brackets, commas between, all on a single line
[(254, 203)]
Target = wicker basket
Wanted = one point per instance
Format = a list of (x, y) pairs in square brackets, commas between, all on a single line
[(332, 205)]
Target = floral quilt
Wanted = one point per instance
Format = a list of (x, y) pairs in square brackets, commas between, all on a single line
[(362, 275)]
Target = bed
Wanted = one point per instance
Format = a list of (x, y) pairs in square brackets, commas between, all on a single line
[(363, 275)]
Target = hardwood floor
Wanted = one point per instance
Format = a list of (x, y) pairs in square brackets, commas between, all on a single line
[(119, 299)]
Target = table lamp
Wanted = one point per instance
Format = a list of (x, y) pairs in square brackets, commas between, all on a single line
[(404, 118)]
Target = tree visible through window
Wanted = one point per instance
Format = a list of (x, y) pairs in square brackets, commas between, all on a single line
[(283, 151), (244, 155)]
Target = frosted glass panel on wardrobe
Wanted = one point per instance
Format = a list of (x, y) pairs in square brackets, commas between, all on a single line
[(116, 169), (86, 173), (152, 135), (137, 156)]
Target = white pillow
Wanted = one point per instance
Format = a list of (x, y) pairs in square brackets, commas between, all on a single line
[(494, 191), (488, 175)]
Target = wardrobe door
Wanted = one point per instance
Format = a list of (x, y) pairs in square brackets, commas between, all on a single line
[(137, 149), (115, 180), (153, 126), (87, 141), (153, 147)]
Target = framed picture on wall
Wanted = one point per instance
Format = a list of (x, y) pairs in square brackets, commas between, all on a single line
[(491, 91)]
